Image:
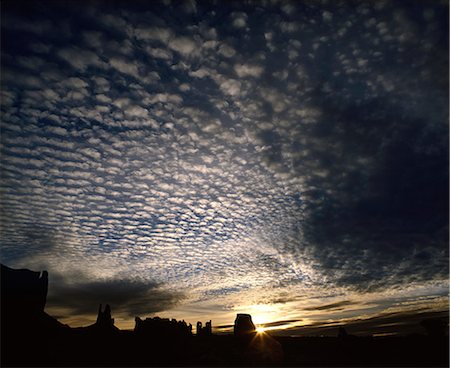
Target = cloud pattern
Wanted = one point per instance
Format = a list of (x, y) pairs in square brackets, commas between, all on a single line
[(207, 151)]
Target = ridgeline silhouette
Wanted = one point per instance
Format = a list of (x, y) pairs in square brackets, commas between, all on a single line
[(31, 337)]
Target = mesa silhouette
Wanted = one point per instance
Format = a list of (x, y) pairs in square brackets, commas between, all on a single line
[(31, 337)]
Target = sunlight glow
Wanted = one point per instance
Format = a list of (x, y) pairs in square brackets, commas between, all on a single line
[(260, 329), (262, 313)]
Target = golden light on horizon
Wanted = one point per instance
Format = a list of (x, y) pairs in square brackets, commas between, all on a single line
[(262, 313)]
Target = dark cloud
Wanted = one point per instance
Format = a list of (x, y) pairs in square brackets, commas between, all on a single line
[(393, 323), (223, 327), (128, 298), (281, 323), (337, 305), (269, 324), (390, 204)]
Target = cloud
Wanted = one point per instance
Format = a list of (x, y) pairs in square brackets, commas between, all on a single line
[(231, 87), (128, 298), (288, 27), (125, 66), (159, 53), (282, 323), (39, 27), (155, 33), (379, 325), (376, 215), (239, 19), (136, 111), (248, 70), (327, 16), (288, 8), (226, 50), (330, 306), (184, 45), (78, 58)]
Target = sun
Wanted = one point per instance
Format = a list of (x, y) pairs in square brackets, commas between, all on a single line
[(260, 329)]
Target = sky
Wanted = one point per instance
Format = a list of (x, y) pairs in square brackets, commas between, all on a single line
[(198, 159)]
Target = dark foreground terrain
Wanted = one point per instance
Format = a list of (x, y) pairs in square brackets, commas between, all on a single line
[(414, 351), (124, 348)]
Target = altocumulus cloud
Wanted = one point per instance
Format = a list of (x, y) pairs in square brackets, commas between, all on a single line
[(178, 152)]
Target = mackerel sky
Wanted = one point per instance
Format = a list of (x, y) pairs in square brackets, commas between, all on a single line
[(198, 159)]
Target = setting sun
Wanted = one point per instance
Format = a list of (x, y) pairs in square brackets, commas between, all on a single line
[(260, 329)]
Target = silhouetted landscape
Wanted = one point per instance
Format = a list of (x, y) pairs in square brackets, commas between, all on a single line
[(31, 337)]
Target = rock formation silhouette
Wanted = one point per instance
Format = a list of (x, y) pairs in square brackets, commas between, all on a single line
[(435, 327), (23, 320), (254, 349), (342, 332), (23, 298), (204, 331), (23, 290), (104, 320), (243, 325), (162, 328)]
